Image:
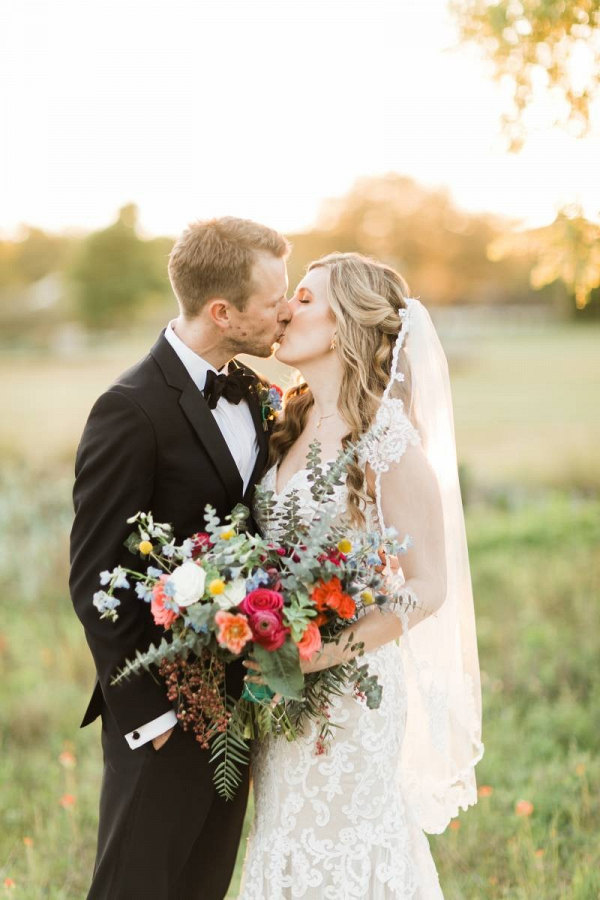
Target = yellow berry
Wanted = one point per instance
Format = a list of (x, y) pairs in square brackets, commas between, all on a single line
[(367, 598), (344, 546), (145, 547), (217, 586)]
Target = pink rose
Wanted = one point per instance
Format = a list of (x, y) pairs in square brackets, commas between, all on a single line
[(162, 615), (268, 629), (261, 598), (310, 643)]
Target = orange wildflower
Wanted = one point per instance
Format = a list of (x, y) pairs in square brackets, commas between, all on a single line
[(67, 759), (455, 824), (485, 790), (67, 800), (524, 808)]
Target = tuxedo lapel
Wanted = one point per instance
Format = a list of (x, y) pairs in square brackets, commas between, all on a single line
[(198, 414)]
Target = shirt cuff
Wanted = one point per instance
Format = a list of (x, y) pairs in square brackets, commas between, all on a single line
[(152, 729)]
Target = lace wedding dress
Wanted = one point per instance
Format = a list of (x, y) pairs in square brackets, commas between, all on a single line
[(337, 826)]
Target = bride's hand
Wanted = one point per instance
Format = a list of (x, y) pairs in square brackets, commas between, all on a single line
[(393, 561)]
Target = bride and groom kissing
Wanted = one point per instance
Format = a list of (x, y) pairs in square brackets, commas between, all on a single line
[(184, 428)]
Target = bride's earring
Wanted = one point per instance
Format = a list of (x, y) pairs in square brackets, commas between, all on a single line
[(333, 344)]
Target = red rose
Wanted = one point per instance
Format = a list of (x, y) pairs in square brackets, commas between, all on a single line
[(201, 543), (261, 598)]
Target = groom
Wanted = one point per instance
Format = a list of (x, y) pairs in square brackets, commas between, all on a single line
[(169, 436)]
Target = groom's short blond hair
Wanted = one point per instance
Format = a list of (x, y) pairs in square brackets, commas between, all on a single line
[(215, 258)]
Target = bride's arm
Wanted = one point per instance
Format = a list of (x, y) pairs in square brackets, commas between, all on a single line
[(411, 502)]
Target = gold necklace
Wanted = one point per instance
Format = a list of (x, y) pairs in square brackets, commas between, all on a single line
[(324, 417)]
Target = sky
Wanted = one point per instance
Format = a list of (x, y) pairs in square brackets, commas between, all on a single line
[(256, 108)]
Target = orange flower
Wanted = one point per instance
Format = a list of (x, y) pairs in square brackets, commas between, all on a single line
[(234, 631), (347, 607), (28, 841), (9, 883), (320, 619), (524, 808), (329, 595), (310, 643), (455, 824), (67, 800), (539, 853), (485, 790)]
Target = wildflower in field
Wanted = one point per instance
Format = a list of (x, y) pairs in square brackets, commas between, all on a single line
[(539, 853), (524, 808), (28, 841), (67, 801), (67, 759), (485, 790), (9, 884), (455, 824)]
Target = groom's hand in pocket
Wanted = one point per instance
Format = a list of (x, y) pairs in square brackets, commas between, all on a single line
[(162, 739)]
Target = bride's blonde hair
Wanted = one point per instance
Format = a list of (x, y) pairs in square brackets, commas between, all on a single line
[(365, 297)]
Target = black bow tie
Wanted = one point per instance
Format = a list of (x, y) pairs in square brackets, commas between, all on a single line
[(234, 386)]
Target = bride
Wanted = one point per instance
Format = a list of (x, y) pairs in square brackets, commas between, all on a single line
[(350, 822)]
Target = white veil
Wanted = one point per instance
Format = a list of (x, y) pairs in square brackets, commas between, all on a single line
[(442, 742)]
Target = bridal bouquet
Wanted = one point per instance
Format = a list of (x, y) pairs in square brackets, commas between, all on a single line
[(226, 594)]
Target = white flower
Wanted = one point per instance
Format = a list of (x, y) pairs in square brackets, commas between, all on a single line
[(188, 583), (233, 594)]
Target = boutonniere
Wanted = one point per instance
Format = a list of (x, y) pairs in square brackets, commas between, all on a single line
[(270, 403)]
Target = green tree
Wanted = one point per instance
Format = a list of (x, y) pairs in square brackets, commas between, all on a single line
[(567, 250), (540, 47), (116, 271)]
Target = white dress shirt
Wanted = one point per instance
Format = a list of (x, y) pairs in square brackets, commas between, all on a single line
[(237, 427)]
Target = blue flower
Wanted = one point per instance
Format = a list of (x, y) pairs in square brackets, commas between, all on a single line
[(255, 580), (119, 578), (168, 549), (153, 572), (275, 399), (186, 548), (105, 576), (103, 601), (169, 589), (143, 592)]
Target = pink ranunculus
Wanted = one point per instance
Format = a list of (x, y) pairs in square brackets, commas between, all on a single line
[(162, 615), (310, 642), (234, 631), (261, 598), (268, 629)]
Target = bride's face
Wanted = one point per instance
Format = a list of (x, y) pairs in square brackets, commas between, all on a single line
[(309, 334)]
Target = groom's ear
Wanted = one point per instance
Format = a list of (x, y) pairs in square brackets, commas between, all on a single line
[(218, 311)]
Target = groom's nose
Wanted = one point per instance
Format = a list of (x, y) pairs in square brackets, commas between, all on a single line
[(285, 312)]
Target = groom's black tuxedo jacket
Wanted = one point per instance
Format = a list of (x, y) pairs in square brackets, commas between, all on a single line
[(150, 443)]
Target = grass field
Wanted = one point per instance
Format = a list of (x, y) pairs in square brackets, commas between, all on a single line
[(527, 402), (527, 410)]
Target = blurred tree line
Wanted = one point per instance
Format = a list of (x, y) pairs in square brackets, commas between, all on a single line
[(115, 278)]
